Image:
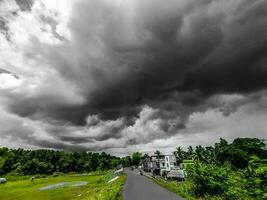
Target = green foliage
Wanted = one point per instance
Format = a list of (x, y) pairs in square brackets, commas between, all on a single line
[(180, 155), (26, 162), (34, 166), (230, 171), (208, 179), (181, 188), (126, 161), (239, 152), (136, 157)]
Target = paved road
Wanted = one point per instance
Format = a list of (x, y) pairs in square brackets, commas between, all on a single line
[(138, 187)]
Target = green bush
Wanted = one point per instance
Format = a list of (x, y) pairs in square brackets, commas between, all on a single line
[(208, 179), (184, 189), (212, 180)]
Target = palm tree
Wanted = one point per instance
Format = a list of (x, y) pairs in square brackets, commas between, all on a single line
[(199, 153), (190, 151), (210, 154), (179, 154)]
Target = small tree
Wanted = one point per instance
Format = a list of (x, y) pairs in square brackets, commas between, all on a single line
[(136, 157), (179, 154)]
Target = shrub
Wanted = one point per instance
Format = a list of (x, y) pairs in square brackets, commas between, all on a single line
[(212, 180), (208, 179)]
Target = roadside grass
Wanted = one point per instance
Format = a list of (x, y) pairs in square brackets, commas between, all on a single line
[(111, 191), (180, 188), (97, 188), (183, 189)]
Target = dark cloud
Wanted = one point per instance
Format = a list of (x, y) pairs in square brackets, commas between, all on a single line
[(120, 62), (177, 57), (168, 46), (25, 5)]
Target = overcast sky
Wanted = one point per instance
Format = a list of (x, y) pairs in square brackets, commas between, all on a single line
[(131, 75)]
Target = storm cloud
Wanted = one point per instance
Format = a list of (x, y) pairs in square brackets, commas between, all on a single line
[(105, 74)]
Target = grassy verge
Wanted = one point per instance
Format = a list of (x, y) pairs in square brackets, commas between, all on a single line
[(180, 188), (112, 191), (97, 188), (183, 189)]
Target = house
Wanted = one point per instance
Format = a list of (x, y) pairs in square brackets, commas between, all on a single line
[(169, 164), (146, 164), (159, 165)]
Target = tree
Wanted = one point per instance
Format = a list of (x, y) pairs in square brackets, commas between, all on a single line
[(126, 161), (253, 146), (239, 151), (136, 157), (208, 179), (199, 153), (49, 161), (190, 152), (180, 155)]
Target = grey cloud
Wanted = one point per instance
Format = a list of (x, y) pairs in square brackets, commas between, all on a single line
[(25, 5), (177, 57), (195, 51), (4, 28), (53, 23), (4, 71)]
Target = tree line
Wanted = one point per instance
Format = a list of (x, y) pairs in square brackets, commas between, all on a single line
[(26, 162)]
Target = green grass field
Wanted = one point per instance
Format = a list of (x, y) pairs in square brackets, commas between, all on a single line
[(97, 188)]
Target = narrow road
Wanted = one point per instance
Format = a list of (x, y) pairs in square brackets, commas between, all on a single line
[(138, 187)]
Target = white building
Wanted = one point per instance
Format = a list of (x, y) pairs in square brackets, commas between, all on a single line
[(159, 164), (167, 164), (170, 162)]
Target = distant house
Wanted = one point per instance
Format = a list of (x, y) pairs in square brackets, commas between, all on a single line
[(159, 165), (170, 162), (169, 166), (146, 164)]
